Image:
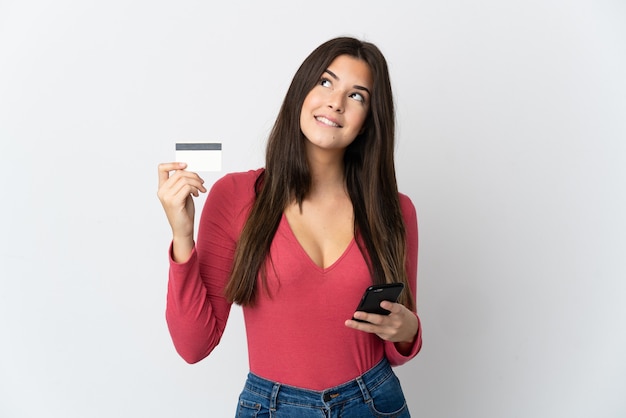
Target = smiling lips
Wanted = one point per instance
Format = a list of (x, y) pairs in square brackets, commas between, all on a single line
[(327, 122)]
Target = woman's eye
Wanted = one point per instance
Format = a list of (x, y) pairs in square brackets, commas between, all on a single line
[(324, 82), (358, 96)]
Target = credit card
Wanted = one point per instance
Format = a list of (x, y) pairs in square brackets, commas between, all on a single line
[(200, 156)]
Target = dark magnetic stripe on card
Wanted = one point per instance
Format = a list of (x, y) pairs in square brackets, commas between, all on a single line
[(199, 147)]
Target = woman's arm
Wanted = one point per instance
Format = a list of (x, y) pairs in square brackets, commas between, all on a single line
[(400, 330), (197, 311)]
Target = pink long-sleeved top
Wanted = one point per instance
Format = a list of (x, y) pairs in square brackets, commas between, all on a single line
[(296, 333)]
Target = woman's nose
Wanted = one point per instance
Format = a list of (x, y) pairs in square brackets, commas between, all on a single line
[(335, 102)]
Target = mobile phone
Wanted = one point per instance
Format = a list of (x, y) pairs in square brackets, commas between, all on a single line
[(370, 302)]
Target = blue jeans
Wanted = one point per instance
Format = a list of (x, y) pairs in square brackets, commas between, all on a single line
[(377, 393)]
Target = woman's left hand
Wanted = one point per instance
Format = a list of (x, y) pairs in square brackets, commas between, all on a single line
[(400, 326)]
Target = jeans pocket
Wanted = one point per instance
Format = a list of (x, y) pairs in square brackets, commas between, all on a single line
[(388, 399), (250, 406)]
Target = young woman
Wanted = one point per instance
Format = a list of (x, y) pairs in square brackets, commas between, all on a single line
[(297, 242)]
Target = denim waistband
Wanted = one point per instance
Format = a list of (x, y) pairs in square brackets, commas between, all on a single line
[(360, 387)]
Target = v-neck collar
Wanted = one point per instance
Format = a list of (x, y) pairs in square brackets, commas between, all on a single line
[(284, 224)]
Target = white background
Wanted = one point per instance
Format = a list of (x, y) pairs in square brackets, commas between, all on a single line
[(511, 143)]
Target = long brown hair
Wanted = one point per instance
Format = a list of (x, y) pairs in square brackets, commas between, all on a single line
[(369, 173)]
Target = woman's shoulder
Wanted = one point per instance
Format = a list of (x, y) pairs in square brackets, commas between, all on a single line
[(238, 183), (406, 206), (405, 201)]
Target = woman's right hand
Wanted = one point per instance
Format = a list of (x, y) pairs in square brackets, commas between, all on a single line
[(176, 188)]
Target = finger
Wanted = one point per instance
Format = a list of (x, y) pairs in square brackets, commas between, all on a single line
[(165, 168), (181, 179), (361, 326), (174, 192), (181, 194), (193, 180), (368, 317), (391, 307), (379, 330)]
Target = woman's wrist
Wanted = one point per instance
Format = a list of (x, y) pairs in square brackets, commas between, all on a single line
[(182, 247)]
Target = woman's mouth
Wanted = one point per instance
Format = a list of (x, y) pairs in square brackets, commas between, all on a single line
[(327, 121)]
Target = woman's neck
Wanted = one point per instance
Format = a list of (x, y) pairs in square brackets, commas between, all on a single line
[(327, 175)]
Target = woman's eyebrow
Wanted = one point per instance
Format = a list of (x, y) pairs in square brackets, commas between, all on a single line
[(356, 86)]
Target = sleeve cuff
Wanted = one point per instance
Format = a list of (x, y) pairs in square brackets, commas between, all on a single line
[(395, 357), (174, 264)]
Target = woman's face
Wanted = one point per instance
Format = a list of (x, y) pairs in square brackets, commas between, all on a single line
[(335, 109)]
